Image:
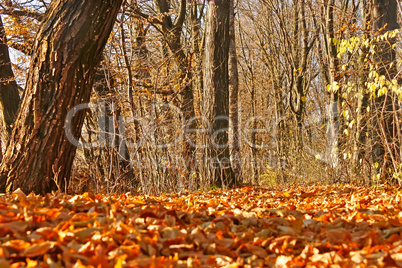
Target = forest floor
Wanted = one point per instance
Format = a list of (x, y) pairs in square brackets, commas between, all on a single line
[(286, 226)]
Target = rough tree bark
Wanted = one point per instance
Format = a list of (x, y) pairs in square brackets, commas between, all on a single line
[(9, 96), (65, 54), (216, 89)]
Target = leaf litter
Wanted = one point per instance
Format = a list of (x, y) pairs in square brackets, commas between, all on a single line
[(285, 226)]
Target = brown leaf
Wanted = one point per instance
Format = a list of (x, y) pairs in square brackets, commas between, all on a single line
[(4, 263), (256, 250), (13, 227), (338, 236), (38, 249), (85, 233), (170, 233)]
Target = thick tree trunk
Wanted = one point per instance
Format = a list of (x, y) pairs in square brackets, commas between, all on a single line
[(66, 51), (9, 96), (216, 89)]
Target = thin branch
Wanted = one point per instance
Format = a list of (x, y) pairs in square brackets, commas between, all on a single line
[(18, 13)]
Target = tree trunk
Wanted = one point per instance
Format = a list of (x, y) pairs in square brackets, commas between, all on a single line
[(66, 52), (360, 138), (300, 82), (172, 32), (9, 96), (197, 57), (234, 130), (384, 136), (334, 103), (216, 89)]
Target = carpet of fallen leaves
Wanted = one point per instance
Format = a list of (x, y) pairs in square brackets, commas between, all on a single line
[(285, 226)]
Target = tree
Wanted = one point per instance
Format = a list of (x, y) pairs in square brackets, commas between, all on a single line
[(234, 130), (65, 54), (331, 77), (385, 122), (23, 19), (172, 33), (363, 97), (216, 89), (9, 96), (9, 90)]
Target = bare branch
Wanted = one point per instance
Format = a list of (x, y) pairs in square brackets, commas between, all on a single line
[(11, 11)]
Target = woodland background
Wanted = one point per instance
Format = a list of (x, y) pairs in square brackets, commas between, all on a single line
[(311, 88)]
